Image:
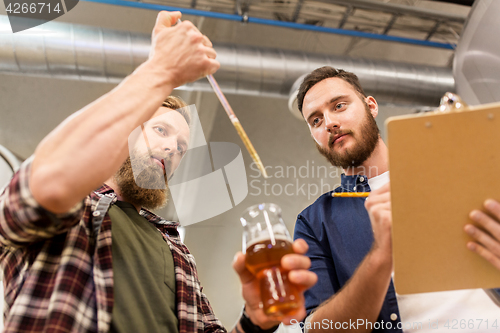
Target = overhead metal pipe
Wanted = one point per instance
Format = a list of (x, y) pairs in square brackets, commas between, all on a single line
[(69, 51), (398, 9), (283, 24)]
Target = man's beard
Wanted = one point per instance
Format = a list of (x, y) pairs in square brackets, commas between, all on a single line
[(148, 188), (366, 142)]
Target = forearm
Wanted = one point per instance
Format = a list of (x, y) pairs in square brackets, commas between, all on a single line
[(86, 149), (362, 297)]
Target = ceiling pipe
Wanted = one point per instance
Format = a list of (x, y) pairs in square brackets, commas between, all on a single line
[(69, 51), (283, 24), (398, 9)]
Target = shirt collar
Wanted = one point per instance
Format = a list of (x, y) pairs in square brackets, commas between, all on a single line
[(104, 189), (355, 183), (150, 216)]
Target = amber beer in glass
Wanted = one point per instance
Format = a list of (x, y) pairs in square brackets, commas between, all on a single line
[(265, 242)]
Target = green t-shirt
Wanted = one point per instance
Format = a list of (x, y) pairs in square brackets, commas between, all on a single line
[(143, 273)]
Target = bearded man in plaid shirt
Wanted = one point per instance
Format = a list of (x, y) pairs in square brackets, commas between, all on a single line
[(79, 262)]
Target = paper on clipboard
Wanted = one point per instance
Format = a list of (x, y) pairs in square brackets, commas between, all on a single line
[(443, 165)]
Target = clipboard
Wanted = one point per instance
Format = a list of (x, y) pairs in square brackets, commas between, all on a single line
[(442, 166)]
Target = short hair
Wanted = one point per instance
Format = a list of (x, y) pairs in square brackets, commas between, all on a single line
[(177, 104), (323, 73)]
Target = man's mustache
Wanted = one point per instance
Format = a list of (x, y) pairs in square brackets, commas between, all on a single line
[(143, 161), (335, 134), (165, 159)]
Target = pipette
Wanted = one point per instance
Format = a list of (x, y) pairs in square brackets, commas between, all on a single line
[(236, 123)]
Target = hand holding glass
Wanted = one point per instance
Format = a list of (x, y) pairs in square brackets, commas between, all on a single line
[(265, 242)]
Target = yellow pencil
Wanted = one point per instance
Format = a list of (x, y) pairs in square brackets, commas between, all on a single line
[(350, 194)]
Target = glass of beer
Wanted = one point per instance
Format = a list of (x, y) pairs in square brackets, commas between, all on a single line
[(265, 242)]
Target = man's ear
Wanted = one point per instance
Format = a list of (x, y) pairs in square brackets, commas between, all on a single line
[(372, 105)]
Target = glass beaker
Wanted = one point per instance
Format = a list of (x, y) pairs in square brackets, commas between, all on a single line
[(265, 242)]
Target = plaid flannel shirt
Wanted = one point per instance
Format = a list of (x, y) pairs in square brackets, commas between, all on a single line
[(57, 278)]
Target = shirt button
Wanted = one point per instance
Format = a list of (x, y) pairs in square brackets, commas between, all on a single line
[(96, 213), (361, 179), (394, 316)]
